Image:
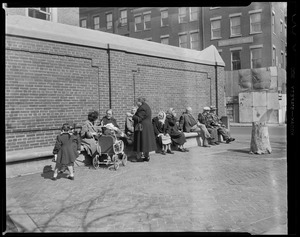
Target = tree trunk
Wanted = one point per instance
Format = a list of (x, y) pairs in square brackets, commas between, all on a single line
[(260, 143)]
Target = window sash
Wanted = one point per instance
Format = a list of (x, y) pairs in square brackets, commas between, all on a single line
[(164, 18), (165, 40), (216, 29), (40, 13), (138, 23), (123, 19), (193, 13), (256, 58), (183, 41), (109, 21), (182, 16), (255, 22), (96, 21), (194, 37), (83, 23), (235, 26), (147, 21), (236, 60)]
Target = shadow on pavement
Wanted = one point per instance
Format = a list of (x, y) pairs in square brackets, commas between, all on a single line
[(47, 172), (239, 150)]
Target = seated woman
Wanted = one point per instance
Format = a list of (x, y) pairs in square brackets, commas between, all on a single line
[(89, 134), (129, 125), (109, 125), (161, 132), (177, 137)]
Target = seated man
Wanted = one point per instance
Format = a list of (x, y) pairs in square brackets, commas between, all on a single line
[(203, 118), (189, 124), (215, 122)]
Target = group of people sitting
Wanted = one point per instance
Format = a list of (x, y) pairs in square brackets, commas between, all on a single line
[(166, 129)]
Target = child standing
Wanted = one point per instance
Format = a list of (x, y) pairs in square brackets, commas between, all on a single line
[(66, 150)]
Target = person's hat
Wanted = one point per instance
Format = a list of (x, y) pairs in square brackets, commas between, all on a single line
[(213, 107), (206, 108)]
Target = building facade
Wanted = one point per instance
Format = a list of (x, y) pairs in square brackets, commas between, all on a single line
[(246, 37), (69, 16)]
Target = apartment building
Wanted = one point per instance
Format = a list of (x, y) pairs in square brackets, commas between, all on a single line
[(69, 16), (246, 37)]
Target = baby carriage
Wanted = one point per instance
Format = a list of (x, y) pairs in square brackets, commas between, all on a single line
[(111, 152)]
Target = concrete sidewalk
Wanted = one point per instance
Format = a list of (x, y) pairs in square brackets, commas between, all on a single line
[(217, 189)]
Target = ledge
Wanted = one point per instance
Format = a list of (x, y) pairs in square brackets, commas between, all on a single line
[(28, 154)]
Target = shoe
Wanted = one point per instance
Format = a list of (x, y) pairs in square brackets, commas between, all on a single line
[(170, 152), (212, 144), (182, 150), (228, 140), (217, 143), (54, 178), (186, 150), (206, 145), (147, 159), (70, 177), (232, 139), (163, 153)]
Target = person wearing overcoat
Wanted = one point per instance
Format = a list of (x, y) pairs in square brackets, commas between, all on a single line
[(144, 141)]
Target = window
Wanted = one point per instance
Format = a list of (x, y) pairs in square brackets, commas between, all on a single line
[(182, 16), (215, 29), (183, 41), (274, 56), (147, 21), (164, 40), (273, 22), (40, 13), (235, 26), (236, 59), (83, 23), (194, 38), (255, 23), (193, 13), (164, 18), (256, 57), (109, 21), (282, 59), (138, 23), (123, 18), (96, 22)]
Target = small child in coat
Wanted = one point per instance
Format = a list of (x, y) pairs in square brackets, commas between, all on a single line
[(66, 150)]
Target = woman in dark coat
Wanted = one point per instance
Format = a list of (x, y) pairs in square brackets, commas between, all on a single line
[(66, 150), (144, 141), (177, 137)]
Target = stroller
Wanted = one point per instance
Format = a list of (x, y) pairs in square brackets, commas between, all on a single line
[(110, 152)]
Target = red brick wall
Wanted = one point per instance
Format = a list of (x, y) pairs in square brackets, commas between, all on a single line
[(49, 83)]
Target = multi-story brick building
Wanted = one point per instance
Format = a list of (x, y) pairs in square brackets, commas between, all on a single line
[(246, 37), (69, 16)]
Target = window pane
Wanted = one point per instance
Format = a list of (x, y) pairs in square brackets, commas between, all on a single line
[(255, 21), (123, 19), (182, 15), (236, 61), (256, 55), (109, 21), (235, 26), (164, 18), (194, 13), (194, 37), (165, 40), (138, 23), (183, 41), (83, 23), (96, 23), (216, 29), (147, 21)]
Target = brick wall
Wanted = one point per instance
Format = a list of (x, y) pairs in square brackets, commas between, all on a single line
[(48, 83)]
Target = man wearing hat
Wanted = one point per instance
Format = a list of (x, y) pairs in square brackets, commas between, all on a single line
[(217, 123), (203, 119)]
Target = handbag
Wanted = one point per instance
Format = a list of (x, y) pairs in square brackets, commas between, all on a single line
[(138, 127)]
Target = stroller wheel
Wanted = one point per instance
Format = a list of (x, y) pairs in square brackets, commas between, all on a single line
[(115, 161), (96, 161), (124, 159)]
